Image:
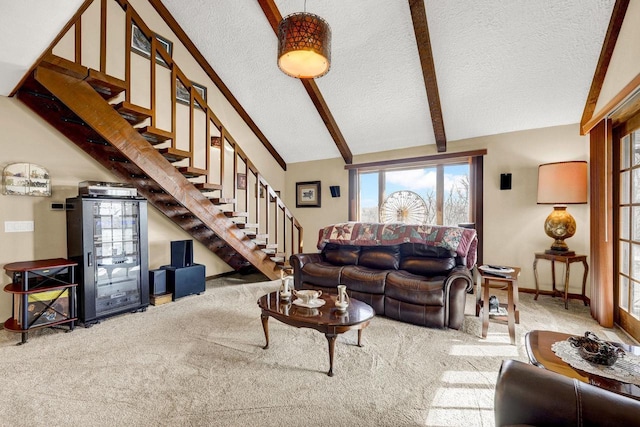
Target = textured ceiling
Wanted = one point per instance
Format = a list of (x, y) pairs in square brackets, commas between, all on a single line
[(501, 66), (27, 27)]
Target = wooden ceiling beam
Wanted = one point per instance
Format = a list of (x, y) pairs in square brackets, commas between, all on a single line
[(608, 45), (193, 50), (274, 17), (421, 30)]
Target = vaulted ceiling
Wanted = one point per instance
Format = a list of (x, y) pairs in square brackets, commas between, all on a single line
[(499, 66)]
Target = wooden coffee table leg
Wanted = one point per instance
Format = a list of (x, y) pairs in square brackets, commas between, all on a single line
[(331, 338), (359, 337), (265, 327)]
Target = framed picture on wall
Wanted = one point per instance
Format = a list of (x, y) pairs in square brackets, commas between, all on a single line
[(241, 181), (308, 194), (182, 93), (26, 179), (141, 45)]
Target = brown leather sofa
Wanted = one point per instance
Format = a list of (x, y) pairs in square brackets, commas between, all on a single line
[(412, 282), (527, 395)]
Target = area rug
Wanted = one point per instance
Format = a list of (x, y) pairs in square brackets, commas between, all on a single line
[(199, 361)]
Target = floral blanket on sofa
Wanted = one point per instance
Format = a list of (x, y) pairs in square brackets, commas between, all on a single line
[(462, 241)]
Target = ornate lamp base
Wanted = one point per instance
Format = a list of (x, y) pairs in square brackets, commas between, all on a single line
[(560, 225)]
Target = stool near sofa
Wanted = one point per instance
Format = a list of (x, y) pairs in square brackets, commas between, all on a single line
[(183, 276)]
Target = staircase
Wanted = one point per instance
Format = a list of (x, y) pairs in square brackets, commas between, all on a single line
[(95, 111)]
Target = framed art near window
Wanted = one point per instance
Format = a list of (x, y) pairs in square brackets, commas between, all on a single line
[(308, 194)]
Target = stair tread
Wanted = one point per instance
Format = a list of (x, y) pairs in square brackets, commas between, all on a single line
[(108, 87), (253, 235), (246, 225), (232, 214), (273, 252), (155, 135), (207, 186), (132, 113), (173, 154), (222, 200), (191, 172), (271, 246)]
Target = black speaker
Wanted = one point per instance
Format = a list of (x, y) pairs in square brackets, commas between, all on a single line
[(185, 281), (505, 181), (335, 190), (157, 282), (181, 253)]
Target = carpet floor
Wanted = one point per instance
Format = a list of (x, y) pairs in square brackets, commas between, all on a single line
[(199, 362)]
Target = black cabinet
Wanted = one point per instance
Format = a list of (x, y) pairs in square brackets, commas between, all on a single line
[(107, 237)]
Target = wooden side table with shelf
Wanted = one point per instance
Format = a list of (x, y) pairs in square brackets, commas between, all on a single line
[(44, 295), (509, 281), (567, 260)]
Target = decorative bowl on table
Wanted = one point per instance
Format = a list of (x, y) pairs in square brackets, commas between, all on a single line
[(594, 350), (307, 295)]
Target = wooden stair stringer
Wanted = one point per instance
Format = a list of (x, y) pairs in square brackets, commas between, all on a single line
[(90, 107)]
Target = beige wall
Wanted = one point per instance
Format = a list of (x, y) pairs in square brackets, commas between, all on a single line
[(625, 61), (513, 222)]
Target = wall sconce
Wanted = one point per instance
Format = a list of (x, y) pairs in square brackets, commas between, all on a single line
[(335, 190), (560, 184)]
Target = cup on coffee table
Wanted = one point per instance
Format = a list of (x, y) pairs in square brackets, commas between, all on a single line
[(307, 295)]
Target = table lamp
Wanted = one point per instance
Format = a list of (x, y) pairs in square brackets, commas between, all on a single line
[(560, 184)]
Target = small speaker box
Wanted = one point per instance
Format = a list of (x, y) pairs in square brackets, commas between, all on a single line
[(157, 282), (505, 181)]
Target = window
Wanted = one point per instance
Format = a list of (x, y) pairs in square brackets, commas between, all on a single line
[(429, 194)]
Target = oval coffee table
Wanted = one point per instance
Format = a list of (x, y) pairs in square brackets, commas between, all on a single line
[(326, 319)]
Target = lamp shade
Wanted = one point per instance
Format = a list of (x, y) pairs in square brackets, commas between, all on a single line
[(562, 183), (304, 45)]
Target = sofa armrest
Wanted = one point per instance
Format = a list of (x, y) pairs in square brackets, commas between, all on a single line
[(528, 395), (463, 273), (297, 261)]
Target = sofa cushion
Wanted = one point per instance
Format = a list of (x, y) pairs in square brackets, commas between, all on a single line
[(363, 279), (404, 286), (341, 254), (321, 274), (380, 257), (427, 266)]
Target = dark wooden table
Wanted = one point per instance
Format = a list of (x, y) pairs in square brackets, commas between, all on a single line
[(538, 345), (567, 260), (326, 319)]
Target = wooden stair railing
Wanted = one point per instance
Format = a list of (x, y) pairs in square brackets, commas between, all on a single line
[(74, 107), (260, 221)]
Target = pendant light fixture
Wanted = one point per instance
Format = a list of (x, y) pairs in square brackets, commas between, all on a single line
[(304, 45)]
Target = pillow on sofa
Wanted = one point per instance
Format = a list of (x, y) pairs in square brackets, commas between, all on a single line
[(427, 266), (341, 254), (380, 257)]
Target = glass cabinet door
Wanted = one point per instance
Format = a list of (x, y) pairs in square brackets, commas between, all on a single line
[(117, 257)]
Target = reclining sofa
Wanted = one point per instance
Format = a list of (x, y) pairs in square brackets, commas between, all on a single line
[(418, 274)]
